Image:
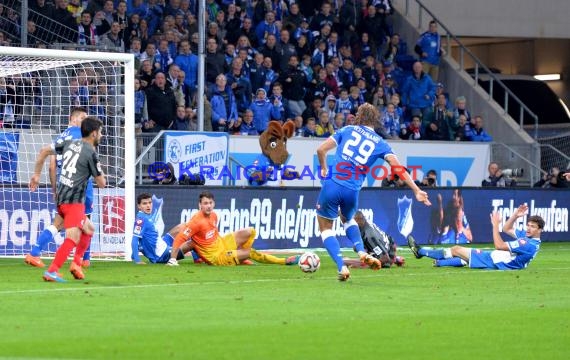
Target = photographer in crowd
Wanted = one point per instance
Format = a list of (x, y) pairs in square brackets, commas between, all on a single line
[(553, 179), (500, 178), (394, 181), (430, 180)]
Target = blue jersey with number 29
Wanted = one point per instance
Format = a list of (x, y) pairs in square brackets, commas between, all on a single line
[(358, 147)]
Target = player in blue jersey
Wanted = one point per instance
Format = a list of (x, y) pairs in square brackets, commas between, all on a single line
[(146, 234), (72, 132), (508, 255), (357, 148)]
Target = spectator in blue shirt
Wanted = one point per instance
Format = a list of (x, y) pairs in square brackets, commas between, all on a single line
[(264, 111), (477, 132), (247, 126), (418, 92), (224, 108), (428, 47), (266, 28), (188, 63)]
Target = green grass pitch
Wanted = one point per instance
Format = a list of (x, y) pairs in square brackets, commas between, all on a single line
[(124, 311)]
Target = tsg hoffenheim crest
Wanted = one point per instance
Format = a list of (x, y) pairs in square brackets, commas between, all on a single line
[(174, 150)]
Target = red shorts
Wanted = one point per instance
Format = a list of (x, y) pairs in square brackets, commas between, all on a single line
[(73, 215)]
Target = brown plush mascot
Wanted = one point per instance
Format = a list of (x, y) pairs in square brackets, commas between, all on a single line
[(268, 167)]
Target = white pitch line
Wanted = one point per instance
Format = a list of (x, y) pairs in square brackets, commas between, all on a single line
[(149, 286)]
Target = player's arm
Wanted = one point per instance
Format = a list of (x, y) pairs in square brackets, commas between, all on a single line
[(322, 151), (187, 246), (45, 151), (97, 172), (138, 234), (497, 240), (135, 251), (53, 174), (182, 237), (519, 212), (101, 181), (421, 195)]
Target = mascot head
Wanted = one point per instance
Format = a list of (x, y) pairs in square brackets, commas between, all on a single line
[(273, 141)]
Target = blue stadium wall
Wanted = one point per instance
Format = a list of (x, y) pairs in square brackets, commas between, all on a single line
[(285, 217)]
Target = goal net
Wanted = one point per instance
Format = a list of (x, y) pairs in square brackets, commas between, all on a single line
[(38, 88)]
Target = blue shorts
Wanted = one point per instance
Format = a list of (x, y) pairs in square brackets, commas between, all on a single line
[(163, 259), (334, 196), (479, 259), (89, 197)]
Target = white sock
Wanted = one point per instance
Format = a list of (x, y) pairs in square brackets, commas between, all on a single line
[(52, 229)]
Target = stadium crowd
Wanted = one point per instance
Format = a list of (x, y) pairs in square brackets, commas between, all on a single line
[(313, 62)]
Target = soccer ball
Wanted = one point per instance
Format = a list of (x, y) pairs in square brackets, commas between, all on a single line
[(309, 262)]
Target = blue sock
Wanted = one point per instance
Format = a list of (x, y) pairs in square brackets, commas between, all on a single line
[(333, 248), (353, 233), (454, 261), (87, 255), (432, 253), (195, 255), (45, 237)]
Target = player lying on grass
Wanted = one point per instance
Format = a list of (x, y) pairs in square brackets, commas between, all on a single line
[(80, 162), (146, 237), (376, 243), (510, 255), (201, 234)]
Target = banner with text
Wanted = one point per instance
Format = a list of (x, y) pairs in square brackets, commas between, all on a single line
[(190, 152), (9, 157), (285, 218), (457, 164), (25, 215)]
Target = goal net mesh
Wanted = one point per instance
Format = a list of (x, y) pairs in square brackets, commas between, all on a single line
[(36, 96)]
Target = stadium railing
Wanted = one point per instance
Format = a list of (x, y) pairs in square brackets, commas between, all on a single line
[(480, 68)]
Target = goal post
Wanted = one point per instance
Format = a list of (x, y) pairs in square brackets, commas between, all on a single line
[(38, 88)]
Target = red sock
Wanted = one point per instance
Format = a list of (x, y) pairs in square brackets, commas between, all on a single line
[(82, 246), (61, 254)]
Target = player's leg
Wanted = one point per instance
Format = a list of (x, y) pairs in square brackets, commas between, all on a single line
[(83, 244), (433, 253), (348, 208), (327, 211), (88, 211), (267, 258), (332, 245), (183, 249), (462, 256), (175, 230), (242, 240), (456, 256), (461, 252), (73, 218), (47, 235)]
